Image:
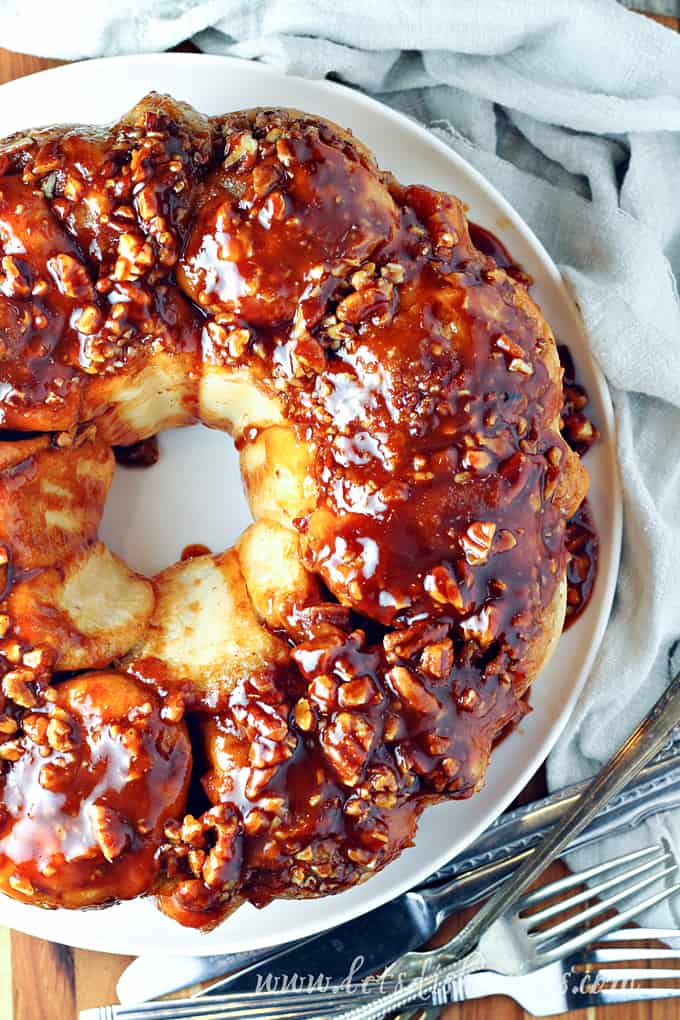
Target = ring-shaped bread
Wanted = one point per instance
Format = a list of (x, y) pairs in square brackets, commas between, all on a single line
[(395, 396)]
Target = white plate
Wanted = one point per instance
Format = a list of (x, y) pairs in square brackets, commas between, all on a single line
[(194, 494)]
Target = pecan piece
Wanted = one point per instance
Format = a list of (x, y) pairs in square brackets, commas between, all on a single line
[(109, 830), (364, 304), (12, 750), (347, 741), (476, 541), (482, 627), (15, 281), (265, 177), (412, 691), (404, 644), (358, 692), (15, 687), (442, 587), (437, 659), (325, 618), (70, 276), (303, 715), (241, 150)]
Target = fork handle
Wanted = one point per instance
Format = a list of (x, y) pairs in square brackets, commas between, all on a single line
[(423, 988), (645, 741)]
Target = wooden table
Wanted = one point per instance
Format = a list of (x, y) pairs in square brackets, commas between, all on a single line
[(44, 981)]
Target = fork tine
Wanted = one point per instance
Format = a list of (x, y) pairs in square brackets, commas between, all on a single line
[(595, 933), (641, 934), (614, 996), (615, 955), (594, 890), (577, 878), (620, 974), (597, 908)]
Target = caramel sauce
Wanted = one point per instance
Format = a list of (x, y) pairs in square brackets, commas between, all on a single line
[(195, 549), (490, 245), (143, 454), (84, 806), (38, 346), (583, 544), (416, 374), (581, 535), (577, 429)]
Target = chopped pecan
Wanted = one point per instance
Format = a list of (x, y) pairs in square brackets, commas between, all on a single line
[(265, 753), (358, 692), (222, 864), (266, 177), (476, 541), (109, 830), (135, 258), (437, 659), (307, 356), (8, 726), (70, 276), (521, 366), (468, 699), (15, 280), (323, 691), (393, 727), (11, 750), (257, 781), (406, 643), (347, 741), (412, 691), (15, 686), (303, 715), (241, 150), (256, 821), (35, 728), (370, 303), (56, 776), (89, 321), (265, 720), (393, 272), (482, 627), (509, 347), (37, 659), (324, 618), (476, 460), (442, 587)]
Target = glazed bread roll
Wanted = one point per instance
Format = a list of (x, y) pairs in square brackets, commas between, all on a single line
[(395, 397)]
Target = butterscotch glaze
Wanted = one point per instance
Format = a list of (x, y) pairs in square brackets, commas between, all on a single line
[(93, 775), (396, 398)]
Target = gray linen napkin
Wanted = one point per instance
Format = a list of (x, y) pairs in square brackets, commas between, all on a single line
[(572, 109)]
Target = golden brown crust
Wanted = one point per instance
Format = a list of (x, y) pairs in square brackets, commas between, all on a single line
[(396, 397), (51, 498)]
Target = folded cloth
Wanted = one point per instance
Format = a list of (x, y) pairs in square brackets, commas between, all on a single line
[(572, 109)]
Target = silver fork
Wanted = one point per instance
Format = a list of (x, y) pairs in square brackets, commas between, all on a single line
[(518, 941), (513, 944), (579, 981), (554, 989), (487, 941)]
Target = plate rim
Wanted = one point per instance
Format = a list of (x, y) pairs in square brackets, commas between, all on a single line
[(36, 919)]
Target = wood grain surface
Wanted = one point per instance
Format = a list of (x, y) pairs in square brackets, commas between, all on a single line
[(44, 981)]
